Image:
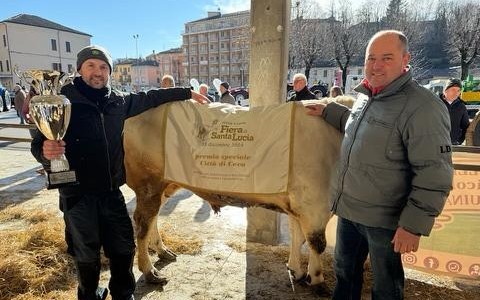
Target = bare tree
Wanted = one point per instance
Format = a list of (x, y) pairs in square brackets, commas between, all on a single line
[(308, 36), (463, 23), (347, 40)]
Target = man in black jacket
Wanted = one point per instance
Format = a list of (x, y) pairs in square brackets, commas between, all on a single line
[(458, 111), (301, 89), (94, 211)]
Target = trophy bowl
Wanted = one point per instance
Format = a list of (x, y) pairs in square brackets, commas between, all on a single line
[(51, 113)]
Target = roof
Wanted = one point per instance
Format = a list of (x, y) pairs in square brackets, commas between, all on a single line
[(219, 16), (173, 50), (146, 63), (31, 20)]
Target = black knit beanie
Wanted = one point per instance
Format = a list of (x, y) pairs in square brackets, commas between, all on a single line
[(94, 52), (453, 82)]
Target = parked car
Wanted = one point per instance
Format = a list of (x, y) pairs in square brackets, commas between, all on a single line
[(320, 90), (240, 94)]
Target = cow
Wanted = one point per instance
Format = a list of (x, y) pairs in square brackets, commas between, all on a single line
[(315, 149)]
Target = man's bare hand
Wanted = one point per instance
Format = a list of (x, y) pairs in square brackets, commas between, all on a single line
[(199, 97), (315, 109), (53, 149), (404, 241)]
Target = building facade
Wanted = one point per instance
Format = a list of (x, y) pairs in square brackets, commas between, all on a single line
[(218, 47), (122, 74), (145, 75), (31, 42), (170, 62)]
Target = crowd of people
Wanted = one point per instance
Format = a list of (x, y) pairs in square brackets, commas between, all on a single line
[(385, 196)]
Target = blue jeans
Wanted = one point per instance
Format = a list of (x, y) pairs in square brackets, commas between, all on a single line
[(354, 243)]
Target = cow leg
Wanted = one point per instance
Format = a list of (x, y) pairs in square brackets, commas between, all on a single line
[(156, 242), (317, 243), (297, 239), (157, 245), (144, 216)]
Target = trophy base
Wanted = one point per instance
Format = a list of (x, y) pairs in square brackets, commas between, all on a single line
[(56, 180)]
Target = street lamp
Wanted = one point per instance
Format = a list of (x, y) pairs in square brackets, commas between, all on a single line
[(136, 36)]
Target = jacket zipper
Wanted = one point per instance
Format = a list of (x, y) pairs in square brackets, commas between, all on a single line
[(107, 152), (344, 171)]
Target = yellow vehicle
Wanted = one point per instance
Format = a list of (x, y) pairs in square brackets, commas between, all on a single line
[(471, 95)]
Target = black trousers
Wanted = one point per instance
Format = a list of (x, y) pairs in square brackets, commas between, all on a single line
[(100, 220)]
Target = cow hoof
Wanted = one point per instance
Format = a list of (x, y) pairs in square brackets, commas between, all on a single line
[(154, 277), (304, 280), (168, 255), (322, 290)]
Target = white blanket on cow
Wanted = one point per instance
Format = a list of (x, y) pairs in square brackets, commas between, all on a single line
[(222, 147)]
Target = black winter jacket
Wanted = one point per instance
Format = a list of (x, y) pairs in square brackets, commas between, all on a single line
[(94, 145), (304, 94), (458, 119)]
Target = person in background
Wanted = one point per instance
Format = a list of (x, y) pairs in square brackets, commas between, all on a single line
[(475, 130), (94, 211), (4, 95), (335, 91), (19, 100), (459, 120), (226, 97), (26, 109), (301, 89), (394, 172), (167, 81), (203, 90)]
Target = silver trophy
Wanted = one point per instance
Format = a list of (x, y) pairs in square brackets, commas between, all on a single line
[(51, 113)]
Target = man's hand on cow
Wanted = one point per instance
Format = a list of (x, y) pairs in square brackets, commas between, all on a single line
[(199, 97), (53, 149), (404, 241), (315, 109)]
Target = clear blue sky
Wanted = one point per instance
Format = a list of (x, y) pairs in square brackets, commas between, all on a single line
[(112, 24)]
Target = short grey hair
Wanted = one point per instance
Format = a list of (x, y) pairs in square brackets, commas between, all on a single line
[(299, 76), (401, 36)]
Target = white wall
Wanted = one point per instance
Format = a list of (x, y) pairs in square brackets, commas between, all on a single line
[(30, 47)]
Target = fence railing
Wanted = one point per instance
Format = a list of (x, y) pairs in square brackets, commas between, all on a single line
[(16, 139)]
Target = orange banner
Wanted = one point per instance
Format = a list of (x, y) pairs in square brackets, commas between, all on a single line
[(453, 246)]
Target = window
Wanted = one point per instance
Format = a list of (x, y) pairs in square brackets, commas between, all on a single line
[(70, 68), (4, 41), (359, 71), (325, 73), (8, 66), (57, 67), (1, 66), (54, 44), (67, 47)]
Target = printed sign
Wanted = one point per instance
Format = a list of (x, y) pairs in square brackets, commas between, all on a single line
[(453, 246), (227, 148)]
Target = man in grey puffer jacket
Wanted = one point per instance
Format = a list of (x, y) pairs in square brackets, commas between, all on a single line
[(394, 173)]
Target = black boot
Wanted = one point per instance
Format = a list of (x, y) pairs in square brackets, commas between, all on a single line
[(122, 280), (88, 277)]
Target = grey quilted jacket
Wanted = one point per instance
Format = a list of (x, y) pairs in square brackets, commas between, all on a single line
[(395, 167)]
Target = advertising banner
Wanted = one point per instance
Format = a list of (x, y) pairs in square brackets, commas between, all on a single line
[(453, 248), (228, 148)]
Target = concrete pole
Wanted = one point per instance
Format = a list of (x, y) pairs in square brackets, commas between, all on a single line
[(269, 27)]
